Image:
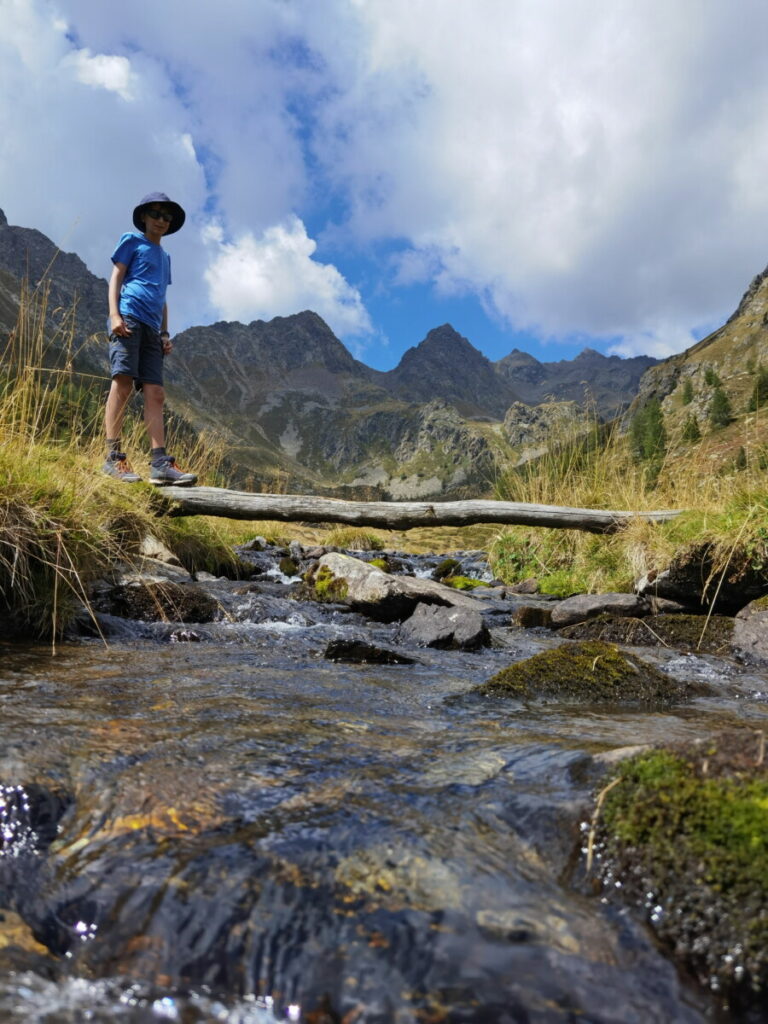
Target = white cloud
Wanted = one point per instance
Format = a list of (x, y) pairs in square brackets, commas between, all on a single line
[(582, 166), (275, 275), (112, 73)]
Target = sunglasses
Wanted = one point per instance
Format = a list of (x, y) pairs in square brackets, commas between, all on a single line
[(160, 215)]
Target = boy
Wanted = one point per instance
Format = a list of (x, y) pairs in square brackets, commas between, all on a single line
[(139, 338)]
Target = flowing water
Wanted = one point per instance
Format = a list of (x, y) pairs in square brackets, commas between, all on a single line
[(240, 830)]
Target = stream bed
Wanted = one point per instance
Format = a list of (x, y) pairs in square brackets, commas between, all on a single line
[(219, 823)]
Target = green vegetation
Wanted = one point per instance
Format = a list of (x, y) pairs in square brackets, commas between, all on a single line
[(720, 412), (326, 586), (759, 394), (685, 832), (462, 582), (691, 430), (711, 378), (353, 539), (686, 395), (649, 437)]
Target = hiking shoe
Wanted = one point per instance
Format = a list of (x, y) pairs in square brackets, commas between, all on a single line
[(165, 472), (118, 467)]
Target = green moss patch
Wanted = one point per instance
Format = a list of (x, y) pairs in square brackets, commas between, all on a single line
[(685, 632), (462, 582), (590, 672), (327, 587), (685, 833)]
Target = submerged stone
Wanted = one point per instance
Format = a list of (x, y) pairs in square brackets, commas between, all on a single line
[(590, 672)]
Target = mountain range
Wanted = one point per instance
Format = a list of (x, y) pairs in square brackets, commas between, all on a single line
[(298, 412)]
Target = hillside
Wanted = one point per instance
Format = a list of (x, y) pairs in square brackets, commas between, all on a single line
[(731, 360)]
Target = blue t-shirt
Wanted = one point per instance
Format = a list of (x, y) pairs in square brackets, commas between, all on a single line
[(148, 275)]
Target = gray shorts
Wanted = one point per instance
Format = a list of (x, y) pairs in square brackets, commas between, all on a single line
[(140, 356)]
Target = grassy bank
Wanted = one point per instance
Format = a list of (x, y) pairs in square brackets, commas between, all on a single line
[(723, 507)]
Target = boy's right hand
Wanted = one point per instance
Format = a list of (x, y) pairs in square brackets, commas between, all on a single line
[(118, 326)]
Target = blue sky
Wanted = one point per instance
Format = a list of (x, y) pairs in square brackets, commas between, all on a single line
[(542, 174)]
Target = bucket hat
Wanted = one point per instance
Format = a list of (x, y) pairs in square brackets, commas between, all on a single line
[(160, 197)]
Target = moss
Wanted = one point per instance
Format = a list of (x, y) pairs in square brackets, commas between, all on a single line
[(685, 832), (711, 635), (447, 567), (592, 672), (288, 566), (463, 583), (380, 563), (328, 587)]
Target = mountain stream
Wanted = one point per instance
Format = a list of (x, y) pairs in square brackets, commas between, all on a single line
[(218, 823)]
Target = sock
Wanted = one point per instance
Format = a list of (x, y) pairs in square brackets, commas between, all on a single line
[(156, 455), (113, 447)]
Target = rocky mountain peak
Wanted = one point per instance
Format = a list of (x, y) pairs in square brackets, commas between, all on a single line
[(3, 219), (447, 365)]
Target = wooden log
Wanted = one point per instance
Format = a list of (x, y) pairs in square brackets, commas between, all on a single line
[(395, 515)]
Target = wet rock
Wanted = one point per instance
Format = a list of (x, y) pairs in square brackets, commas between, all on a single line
[(529, 586), (532, 616), (380, 595), (696, 579), (151, 547), (750, 632), (586, 606), (435, 626), (702, 633), (363, 652), (153, 600), (591, 673)]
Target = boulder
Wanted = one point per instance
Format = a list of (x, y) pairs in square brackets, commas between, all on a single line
[(435, 626), (587, 606), (750, 632), (379, 595)]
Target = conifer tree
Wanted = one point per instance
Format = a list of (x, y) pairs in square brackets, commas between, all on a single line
[(720, 414), (691, 431), (687, 395), (711, 378), (760, 390)]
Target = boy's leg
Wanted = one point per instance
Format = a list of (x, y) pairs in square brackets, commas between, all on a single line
[(117, 400), (163, 470), (116, 464), (154, 400)]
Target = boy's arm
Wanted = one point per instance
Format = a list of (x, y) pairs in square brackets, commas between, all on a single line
[(164, 336), (116, 322)]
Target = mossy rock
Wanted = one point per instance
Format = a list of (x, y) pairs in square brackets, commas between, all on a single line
[(685, 833), (462, 582), (447, 567), (327, 587), (159, 602), (685, 632), (592, 672)]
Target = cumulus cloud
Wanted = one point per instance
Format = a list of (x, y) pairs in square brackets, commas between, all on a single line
[(275, 275), (588, 167)]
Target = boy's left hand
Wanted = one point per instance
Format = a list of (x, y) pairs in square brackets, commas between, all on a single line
[(167, 346)]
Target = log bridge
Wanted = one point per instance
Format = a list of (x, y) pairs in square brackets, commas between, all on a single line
[(395, 515)]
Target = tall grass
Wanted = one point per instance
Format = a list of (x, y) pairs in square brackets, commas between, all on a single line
[(62, 522), (597, 469)]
